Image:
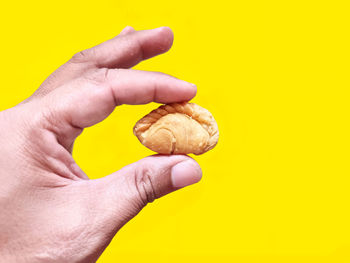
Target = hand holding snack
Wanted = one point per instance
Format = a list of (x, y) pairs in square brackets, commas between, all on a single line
[(50, 210)]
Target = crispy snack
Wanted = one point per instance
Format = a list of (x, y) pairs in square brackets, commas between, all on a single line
[(178, 128)]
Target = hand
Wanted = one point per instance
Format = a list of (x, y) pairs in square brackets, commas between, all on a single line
[(50, 210)]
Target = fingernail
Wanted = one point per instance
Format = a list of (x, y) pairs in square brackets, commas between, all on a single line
[(185, 173), (161, 28), (193, 85)]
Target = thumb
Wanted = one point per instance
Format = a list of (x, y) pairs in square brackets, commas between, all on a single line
[(127, 191)]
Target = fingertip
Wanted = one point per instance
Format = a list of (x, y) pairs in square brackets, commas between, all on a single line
[(178, 91), (166, 37), (185, 173), (167, 31), (189, 91), (193, 90)]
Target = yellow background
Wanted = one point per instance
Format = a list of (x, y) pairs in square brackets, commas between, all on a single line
[(275, 74)]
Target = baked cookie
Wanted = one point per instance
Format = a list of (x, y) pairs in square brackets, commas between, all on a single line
[(178, 128)]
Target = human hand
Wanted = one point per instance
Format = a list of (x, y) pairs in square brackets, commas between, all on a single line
[(50, 210)]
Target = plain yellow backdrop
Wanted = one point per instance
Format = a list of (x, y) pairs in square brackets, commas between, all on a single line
[(275, 74)]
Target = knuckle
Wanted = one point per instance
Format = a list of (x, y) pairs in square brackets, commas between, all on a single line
[(100, 87), (134, 46), (98, 76), (79, 57), (82, 56), (143, 184)]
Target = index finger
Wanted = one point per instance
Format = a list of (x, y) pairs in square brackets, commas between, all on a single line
[(89, 100)]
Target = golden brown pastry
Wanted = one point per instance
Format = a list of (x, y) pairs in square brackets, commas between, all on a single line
[(178, 128)]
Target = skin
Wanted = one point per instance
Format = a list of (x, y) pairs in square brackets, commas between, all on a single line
[(50, 210)]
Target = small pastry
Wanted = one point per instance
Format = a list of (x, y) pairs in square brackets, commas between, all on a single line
[(178, 128)]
